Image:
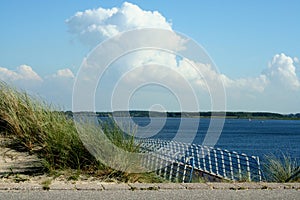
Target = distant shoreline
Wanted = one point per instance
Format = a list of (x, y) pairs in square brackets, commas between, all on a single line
[(228, 115)]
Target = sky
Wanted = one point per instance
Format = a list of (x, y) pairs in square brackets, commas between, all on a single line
[(253, 46)]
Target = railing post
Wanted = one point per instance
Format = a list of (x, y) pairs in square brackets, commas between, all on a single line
[(184, 173), (157, 163), (223, 163), (197, 155), (209, 160), (239, 165), (248, 167), (192, 170), (186, 163), (177, 172), (151, 159), (171, 171), (216, 161), (258, 168), (203, 159), (230, 165)]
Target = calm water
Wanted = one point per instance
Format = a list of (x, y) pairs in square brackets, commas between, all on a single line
[(255, 137)]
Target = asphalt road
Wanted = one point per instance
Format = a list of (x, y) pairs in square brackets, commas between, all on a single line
[(147, 194)]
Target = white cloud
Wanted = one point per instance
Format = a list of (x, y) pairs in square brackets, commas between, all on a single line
[(275, 89), (256, 93), (55, 88), (202, 76), (64, 73), (282, 72), (93, 26), (23, 72), (96, 25)]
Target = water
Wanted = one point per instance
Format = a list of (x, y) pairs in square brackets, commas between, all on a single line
[(252, 137)]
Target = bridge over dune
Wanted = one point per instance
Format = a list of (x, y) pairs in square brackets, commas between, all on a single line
[(183, 162)]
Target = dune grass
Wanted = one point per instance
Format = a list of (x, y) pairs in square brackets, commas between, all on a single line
[(36, 127), (283, 169), (118, 137)]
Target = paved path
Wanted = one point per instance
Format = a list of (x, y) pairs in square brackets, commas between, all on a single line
[(97, 190), (98, 186), (151, 194)]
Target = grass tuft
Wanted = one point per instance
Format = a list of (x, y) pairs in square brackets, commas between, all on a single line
[(283, 169), (46, 184)]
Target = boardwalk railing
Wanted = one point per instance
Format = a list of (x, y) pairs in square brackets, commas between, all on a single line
[(182, 162)]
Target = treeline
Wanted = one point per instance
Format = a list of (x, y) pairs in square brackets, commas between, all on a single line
[(231, 115), (261, 115)]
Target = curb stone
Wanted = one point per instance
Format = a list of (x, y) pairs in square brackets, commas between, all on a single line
[(143, 186), (62, 186), (20, 186), (170, 186), (248, 186), (98, 186), (292, 186), (196, 186), (115, 186), (223, 186), (88, 186), (272, 186)]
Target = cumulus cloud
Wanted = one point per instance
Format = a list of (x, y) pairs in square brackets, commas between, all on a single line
[(95, 25), (200, 75), (282, 71), (23, 72), (244, 93), (55, 88), (275, 89), (64, 73), (23, 77)]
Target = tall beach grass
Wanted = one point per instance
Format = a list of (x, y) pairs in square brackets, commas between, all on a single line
[(37, 127)]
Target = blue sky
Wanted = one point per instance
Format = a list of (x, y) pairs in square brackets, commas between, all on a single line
[(242, 37)]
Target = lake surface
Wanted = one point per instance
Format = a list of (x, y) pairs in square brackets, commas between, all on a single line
[(253, 137)]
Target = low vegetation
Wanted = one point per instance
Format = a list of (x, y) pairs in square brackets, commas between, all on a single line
[(283, 169), (34, 126)]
